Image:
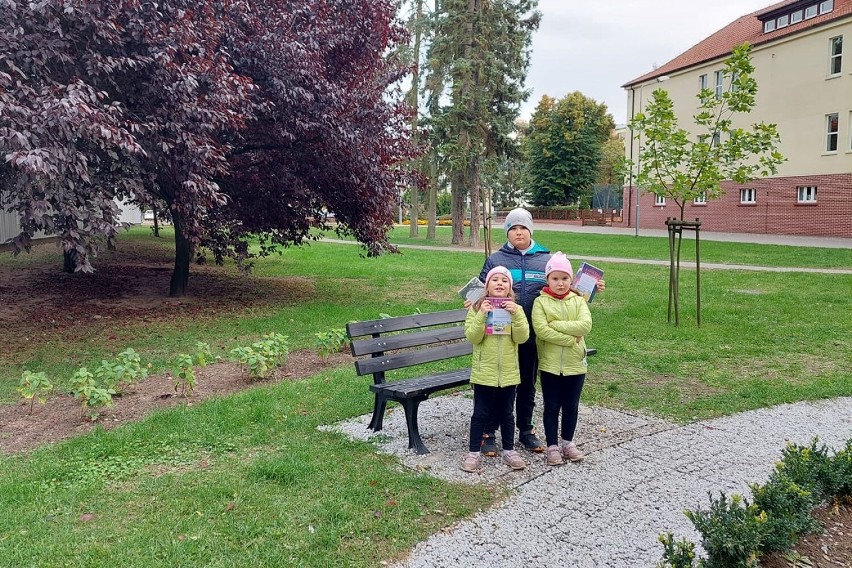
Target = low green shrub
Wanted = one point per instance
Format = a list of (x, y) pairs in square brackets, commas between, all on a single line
[(263, 356), (330, 341), (736, 533)]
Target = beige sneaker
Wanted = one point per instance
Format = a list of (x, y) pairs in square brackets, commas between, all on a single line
[(513, 460), (471, 462), (571, 453), (554, 455)]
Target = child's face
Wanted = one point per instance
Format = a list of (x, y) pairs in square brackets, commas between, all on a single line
[(499, 286), (559, 281)]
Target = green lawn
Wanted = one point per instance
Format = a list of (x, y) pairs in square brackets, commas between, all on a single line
[(249, 480)]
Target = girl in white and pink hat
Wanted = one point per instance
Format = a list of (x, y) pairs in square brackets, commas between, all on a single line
[(561, 319), (495, 325)]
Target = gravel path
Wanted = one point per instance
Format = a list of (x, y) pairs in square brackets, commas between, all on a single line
[(639, 476)]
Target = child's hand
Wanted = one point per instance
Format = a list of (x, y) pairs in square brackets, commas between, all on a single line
[(600, 285), (485, 307), (467, 304), (510, 306)]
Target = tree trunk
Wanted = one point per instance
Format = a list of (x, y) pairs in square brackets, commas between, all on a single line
[(156, 227), (69, 261), (183, 256), (458, 207), (432, 197), (414, 99), (475, 203)]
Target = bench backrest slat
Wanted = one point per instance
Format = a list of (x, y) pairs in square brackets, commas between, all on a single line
[(409, 358), (375, 327), (405, 340)]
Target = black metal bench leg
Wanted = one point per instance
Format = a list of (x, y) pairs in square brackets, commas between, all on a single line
[(411, 405), (379, 406)]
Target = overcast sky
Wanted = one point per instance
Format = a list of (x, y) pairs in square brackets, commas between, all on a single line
[(596, 46)]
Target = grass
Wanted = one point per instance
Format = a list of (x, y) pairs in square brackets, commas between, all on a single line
[(250, 480)]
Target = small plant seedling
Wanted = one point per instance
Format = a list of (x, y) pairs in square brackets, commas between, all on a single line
[(34, 386), (203, 354), (329, 342), (184, 375), (264, 355), (84, 387)]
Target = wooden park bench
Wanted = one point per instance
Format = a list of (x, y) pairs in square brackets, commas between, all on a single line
[(405, 341)]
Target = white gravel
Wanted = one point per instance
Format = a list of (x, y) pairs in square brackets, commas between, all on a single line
[(639, 476)]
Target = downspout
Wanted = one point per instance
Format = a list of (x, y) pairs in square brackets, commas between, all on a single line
[(630, 178)]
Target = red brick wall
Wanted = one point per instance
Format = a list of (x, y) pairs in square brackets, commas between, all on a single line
[(776, 210)]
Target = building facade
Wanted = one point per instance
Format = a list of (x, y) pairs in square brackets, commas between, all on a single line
[(802, 54)]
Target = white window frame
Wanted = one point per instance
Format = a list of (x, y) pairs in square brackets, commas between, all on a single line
[(832, 132), (748, 196), (719, 79), (811, 12), (700, 199), (826, 6), (702, 81), (806, 194), (797, 16), (835, 55), (769, 26), (659, 200), (783, 21)]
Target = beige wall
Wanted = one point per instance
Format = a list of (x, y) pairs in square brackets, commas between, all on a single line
[(794, 91)]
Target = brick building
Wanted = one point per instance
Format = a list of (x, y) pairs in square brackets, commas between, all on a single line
[(804, 78)]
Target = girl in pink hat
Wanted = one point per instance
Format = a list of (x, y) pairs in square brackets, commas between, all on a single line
[(561, 319), (494, 371)]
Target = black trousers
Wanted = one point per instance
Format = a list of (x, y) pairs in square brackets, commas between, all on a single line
[(492, 405), (561, 393), (525, 404)]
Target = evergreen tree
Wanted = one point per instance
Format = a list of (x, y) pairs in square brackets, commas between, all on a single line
[(480, 54)]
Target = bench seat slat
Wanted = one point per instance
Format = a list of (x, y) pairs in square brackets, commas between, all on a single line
[(357, 329), (424, 385), (409, 358), (402, 341)]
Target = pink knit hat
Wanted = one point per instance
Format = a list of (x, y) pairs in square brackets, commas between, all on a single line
[(559, 263), (499, 270)]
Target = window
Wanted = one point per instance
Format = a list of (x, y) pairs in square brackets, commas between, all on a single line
[(768, 26), (810, 12), (702, 82), (717, 139), (783, 21), (835, 57), (718, 76), (796, 17), (831, 129), (735, 76), (826, 6), (700, 199), (748, 196), (659, 200), (806, 194)]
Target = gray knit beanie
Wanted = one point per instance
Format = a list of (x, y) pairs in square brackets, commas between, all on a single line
[(520, 217)]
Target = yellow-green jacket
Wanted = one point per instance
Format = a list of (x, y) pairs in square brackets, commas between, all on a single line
[(557, 324), (495, 357)]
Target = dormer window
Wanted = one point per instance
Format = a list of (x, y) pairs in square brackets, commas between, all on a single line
[(782, 20)]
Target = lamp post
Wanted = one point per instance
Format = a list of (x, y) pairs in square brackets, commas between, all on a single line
[(659, 79)]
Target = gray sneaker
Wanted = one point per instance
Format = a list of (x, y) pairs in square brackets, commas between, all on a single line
[(513, 460), (554, 455), (571, 453), (471, 462)]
